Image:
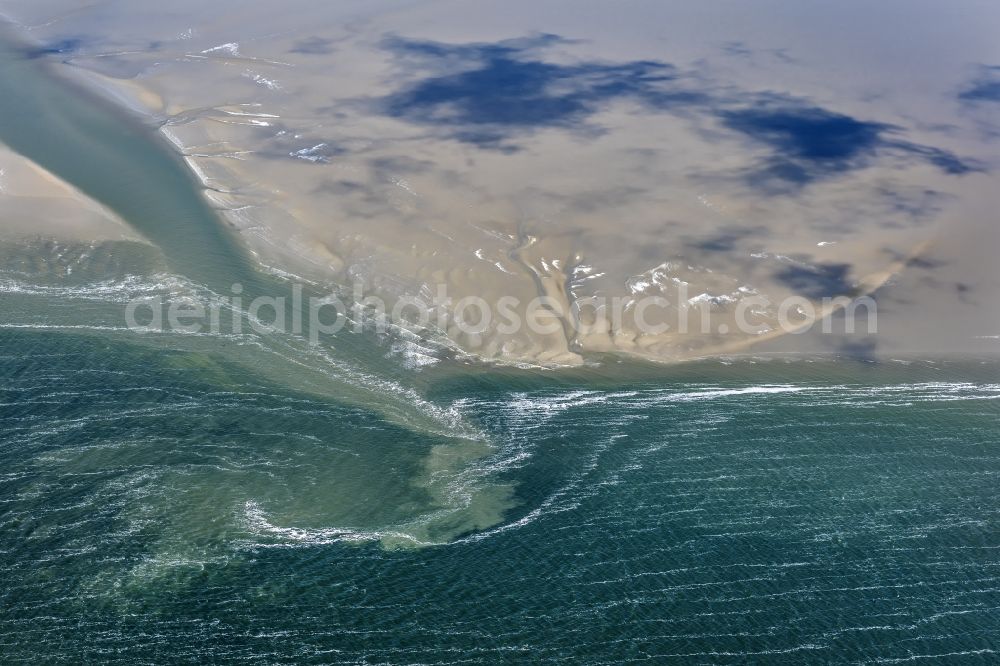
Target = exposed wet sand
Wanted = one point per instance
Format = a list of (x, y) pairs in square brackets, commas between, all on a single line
[(343, 146)]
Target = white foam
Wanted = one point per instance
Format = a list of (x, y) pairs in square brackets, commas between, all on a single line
[(256, 520), (231, 48), (309, 154), (261, 80)]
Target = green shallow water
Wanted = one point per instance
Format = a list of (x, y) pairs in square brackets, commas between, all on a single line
[(771, 512), (117, 160), (170, 498)]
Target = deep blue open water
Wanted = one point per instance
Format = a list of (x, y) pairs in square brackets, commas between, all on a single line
[(248, 498)]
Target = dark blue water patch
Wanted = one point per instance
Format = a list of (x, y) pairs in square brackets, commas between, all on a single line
[(62, 46), (985, 87), (811, 134), (506, 88), (810, 143), (489, 94), (944, 160), (817, 281)]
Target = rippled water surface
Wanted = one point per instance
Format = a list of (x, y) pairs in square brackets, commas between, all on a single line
[(152, 514), (248, 497)]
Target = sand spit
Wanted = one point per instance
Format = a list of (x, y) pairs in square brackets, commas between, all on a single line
[(34, 203), (384, 145)]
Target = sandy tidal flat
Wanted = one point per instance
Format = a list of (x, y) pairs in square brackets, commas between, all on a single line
[(544, 152)]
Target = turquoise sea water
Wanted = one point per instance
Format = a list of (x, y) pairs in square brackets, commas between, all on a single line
[(773, 512), (174, 498)]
